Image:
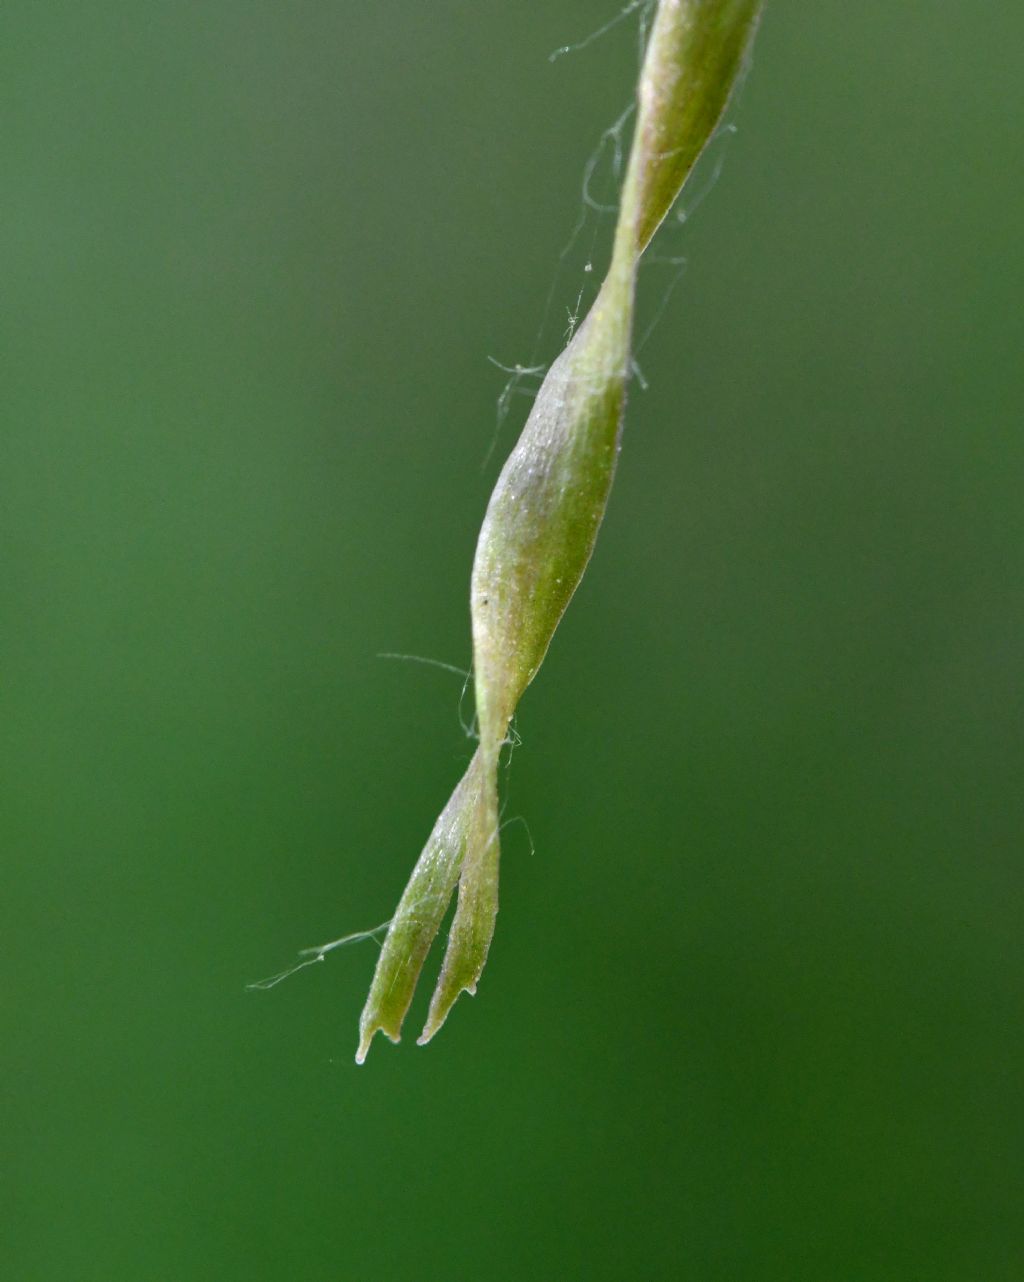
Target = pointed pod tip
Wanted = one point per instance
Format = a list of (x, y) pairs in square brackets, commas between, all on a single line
[(439, 1012), (365, 1039), (431, 1027), (366, 1036)]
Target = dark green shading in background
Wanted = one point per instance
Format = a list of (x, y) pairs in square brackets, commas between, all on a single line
[(754, 1006)]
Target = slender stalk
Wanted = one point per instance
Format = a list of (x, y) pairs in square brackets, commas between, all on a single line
[(547, 506)]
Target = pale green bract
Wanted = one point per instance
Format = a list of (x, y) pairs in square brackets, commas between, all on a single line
[(546, 509)]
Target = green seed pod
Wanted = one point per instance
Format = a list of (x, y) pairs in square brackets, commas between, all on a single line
[(547, 506)]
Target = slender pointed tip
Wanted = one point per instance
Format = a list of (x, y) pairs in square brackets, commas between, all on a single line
[(431, 1027), (365, 1040), (439, 1012), (366, 1036)]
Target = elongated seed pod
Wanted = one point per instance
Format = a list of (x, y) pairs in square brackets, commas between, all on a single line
[(547, 506)]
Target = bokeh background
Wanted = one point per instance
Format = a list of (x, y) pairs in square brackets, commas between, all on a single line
[(754, 1006)]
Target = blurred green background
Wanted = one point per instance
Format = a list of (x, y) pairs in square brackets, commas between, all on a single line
[(754, 1006)]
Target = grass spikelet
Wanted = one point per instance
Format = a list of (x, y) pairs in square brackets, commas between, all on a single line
[(547, 506)]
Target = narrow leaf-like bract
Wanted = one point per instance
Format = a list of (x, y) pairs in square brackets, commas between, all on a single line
[(547, 506)]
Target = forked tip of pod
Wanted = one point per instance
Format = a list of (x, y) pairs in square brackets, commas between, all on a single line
[(367, 1032), (440, 1008)]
